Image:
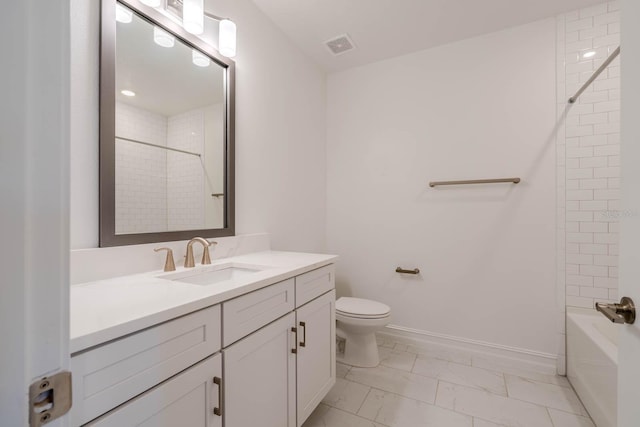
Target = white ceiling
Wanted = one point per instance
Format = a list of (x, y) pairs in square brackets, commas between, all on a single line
[(383, 29)]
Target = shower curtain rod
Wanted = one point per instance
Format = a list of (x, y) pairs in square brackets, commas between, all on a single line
[(595, 75), (159, 146)]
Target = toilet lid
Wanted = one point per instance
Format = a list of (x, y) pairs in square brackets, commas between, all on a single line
[(359, 307)]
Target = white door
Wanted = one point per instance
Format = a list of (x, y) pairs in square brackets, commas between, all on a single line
[(629, 355), (316, 323), (192, 398), (260, 378), (34, 201)]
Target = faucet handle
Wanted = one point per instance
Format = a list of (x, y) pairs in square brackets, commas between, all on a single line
[(206, 258), (169, 265)]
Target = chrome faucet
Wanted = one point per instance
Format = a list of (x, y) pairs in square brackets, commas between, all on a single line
[(206, 259)]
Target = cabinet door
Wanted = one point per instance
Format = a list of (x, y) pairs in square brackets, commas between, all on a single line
[(260, 382), (316, 370), (188, 399)]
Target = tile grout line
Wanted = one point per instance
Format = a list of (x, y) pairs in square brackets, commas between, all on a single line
[(435, 399), (550, 417), (363, 400), (506, 387)]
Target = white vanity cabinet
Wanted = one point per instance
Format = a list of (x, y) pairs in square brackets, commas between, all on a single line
[(265, 358), (284, 370)]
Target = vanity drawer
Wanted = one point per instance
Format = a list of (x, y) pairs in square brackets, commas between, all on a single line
[(248, 313), (113, 373), (314, 283)]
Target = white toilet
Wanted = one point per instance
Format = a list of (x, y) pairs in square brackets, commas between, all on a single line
[(357, 321)]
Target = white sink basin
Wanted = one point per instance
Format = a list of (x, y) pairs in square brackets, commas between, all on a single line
[(215, 274)]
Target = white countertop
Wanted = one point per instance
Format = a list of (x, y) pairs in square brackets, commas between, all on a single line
[(108, 309)]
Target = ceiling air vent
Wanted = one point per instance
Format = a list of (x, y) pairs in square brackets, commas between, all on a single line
[(340, 44)]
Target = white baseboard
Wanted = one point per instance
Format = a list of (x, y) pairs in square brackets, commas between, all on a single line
[(527, 359)]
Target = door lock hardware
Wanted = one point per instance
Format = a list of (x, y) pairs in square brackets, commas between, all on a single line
[(625, 312)]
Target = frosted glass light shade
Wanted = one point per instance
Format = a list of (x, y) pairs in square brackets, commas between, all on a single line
[(227, 38), (193, 16), (152, 3), (199, 59), (162, 38), (123, 14)]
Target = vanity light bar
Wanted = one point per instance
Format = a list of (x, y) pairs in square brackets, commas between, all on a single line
[(192, 13)]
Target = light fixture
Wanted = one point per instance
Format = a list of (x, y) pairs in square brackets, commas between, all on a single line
[(162, 38), (589, 54), (193, 16), (199, 59), (152, 3), (123, 14), (227, 38), (128, 92)]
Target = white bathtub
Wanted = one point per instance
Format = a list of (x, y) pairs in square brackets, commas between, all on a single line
[(592, 363)]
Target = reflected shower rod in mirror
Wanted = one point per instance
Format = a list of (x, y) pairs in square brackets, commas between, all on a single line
[(164, 147)]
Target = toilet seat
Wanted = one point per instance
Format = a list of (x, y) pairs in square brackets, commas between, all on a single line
[(360, 308)]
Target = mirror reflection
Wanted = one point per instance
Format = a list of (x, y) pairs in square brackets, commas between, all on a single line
[(170, 132)]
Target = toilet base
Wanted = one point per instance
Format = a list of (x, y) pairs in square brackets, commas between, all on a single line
[(360, 350)]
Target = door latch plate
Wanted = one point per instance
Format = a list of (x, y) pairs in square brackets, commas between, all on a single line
[(49, 398)]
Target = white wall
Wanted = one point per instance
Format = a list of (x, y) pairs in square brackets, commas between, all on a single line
[(280, 131), (479, 108)]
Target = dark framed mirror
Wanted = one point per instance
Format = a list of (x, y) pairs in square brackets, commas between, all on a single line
[(166, 130)]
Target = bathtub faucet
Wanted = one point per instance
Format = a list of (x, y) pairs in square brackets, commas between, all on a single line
[(625, 312)]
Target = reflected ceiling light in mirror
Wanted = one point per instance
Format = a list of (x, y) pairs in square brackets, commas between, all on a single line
[(128, 92), (589, 54), (162, 38), (123, 14), (227, 38), (152, 3), (193, 16), (199, 59)]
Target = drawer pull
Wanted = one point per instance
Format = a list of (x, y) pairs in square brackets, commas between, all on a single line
[(295, 339), (303, 343), (218, 410)]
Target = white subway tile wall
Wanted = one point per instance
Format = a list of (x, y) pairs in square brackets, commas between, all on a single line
[(589, 170), (141, 171), (156, 189), (185, 187)]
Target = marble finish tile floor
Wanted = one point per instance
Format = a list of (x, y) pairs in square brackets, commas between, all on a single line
[(423, 386)]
